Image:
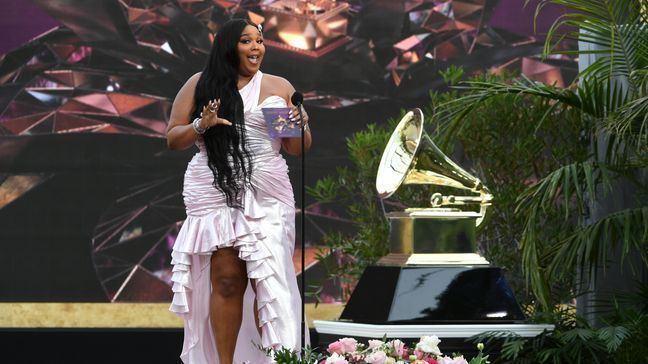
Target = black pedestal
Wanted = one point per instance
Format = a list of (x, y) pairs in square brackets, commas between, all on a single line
[(432, 295)]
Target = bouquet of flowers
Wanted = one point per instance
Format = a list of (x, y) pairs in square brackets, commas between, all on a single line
[(426, 351)]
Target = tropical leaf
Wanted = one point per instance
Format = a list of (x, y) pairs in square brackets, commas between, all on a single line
[(631, 124), (613, 336), (589, 246), (599, 98), (614, 28), (570, 187), (595, 98), (511, 348), (449, 116)]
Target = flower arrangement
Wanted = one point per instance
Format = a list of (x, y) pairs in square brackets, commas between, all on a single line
[(426, 351)]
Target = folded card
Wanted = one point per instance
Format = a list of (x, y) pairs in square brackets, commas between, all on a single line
[(279, 125)]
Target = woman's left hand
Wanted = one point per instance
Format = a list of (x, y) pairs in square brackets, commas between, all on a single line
[(294, 116)]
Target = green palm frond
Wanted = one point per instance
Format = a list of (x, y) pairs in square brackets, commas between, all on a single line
[(592, 97), (570, 187), (450, 116), (589, 245), (613, 336), (615, 28), (601, 98), (631, 124)]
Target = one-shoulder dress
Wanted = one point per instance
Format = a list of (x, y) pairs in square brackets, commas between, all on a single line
[(263, 232)]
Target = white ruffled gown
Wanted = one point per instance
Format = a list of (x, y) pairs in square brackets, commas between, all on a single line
[(264, 234)]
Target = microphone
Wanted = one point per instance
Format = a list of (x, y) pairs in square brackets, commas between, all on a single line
[(297, 98)]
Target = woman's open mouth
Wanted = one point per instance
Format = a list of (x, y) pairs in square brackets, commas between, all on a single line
[(253, 59)]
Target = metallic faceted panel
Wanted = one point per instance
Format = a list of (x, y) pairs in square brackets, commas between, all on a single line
[(307, 25)]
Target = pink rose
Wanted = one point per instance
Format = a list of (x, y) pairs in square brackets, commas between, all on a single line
[(418, 354), (405, 352), (350, 344), (336, 347), (430, 361), (397, 347)]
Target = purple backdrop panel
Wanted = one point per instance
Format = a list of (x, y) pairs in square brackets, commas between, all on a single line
[(21, 21), (508, 15)]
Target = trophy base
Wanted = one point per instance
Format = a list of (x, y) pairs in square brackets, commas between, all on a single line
[(432, 294), (428, 231)]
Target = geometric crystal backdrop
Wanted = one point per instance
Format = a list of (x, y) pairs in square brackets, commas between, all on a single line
[(132, 242), (84, 108)]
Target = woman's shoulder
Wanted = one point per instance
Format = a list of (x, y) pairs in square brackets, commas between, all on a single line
[(187, 90), (277, 81), (277, 85), (194, 79), (191, 83)]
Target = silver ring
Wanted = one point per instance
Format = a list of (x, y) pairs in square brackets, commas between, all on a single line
[(212, 109)]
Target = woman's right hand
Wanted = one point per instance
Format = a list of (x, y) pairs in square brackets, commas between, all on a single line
[(209, 115)]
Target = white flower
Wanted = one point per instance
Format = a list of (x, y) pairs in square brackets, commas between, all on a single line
[(390, 361), (377, 357), (457, 360), (374, 344), (445, 360), (336, 359), (429, 344)]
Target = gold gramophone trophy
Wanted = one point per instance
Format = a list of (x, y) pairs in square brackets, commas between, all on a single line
[(440, 233), (433, 273)]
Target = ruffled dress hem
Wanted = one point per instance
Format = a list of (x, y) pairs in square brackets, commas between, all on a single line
[(227, 227)]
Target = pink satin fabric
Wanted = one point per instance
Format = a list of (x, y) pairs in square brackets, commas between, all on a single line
[(264, 234)]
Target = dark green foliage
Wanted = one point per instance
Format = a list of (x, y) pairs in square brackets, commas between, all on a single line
[(288, 356), (354, 188), (620, 340)]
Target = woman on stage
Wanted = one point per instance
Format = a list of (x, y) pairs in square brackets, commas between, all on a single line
[(233, 278)]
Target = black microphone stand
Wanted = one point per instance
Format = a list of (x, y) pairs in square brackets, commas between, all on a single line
[(303, 229)]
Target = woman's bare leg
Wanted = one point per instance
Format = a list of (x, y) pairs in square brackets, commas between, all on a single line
[(229, 280)]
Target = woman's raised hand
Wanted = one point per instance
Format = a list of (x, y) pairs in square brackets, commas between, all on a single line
[(209, 115)]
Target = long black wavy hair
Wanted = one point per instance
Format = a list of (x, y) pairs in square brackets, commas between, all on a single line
[(228, 156)]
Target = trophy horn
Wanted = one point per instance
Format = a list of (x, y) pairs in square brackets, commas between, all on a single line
[(412, 158)]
